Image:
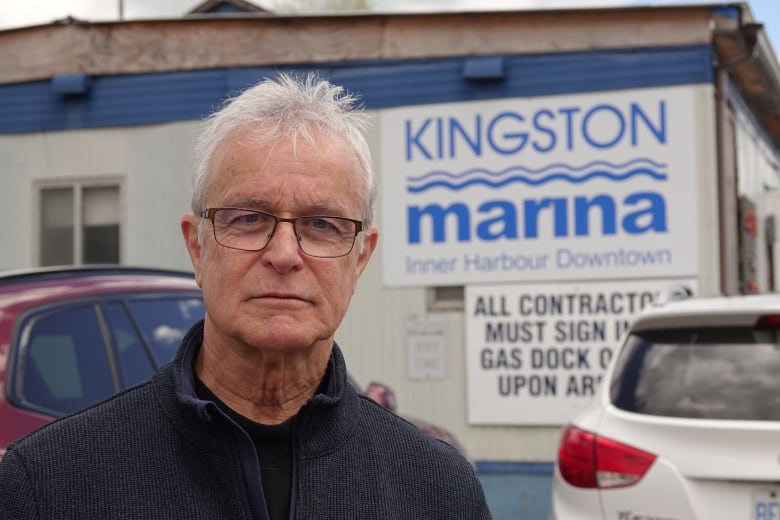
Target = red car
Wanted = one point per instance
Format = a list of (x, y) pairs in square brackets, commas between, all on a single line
[(72, 336)]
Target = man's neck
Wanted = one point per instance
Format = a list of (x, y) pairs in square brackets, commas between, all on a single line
[(265, 387)]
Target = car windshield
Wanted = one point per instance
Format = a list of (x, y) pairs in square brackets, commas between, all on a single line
[(707, 373)]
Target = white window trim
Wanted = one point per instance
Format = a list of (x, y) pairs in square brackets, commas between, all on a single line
[(78, 184)]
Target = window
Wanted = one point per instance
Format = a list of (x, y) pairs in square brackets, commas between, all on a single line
[(164, 322), (79, 224), (442, 299), (71, 356), (133, 359), (147, 331), (707, 373), (63, 361)]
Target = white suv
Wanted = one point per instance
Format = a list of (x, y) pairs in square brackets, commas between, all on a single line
[(686, 424)]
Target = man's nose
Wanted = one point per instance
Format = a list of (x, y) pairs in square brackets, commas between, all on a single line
[(284, 231), (283, 251)]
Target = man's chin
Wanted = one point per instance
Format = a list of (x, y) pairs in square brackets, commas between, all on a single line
[(282, 338)]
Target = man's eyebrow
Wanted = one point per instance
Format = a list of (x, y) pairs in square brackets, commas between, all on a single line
[(263, 204), (250, 203), (324, 208)]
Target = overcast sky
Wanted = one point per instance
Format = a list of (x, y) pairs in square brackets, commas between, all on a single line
[(15, 13)]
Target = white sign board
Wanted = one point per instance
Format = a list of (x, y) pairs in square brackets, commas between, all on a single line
[(579, 186), (426, 346), (535, 353)]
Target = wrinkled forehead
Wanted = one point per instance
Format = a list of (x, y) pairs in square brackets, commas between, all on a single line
[(248, 163), (270, 139)]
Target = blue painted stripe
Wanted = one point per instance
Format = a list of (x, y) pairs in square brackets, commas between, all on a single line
[(727, 11), (515, 468), (138, 99)]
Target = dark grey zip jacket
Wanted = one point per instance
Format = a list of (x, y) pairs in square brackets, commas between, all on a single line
[(157, 452)]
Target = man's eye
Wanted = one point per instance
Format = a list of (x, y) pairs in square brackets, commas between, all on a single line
[(321, 224), (249, 218)]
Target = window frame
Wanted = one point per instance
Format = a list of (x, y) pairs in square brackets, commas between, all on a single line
[(19, 350), (19, 347), (78, 186)]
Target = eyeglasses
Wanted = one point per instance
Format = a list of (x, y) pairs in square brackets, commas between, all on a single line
[(248, 230)]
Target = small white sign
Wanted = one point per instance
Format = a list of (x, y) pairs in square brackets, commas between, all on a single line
[(426, 346)]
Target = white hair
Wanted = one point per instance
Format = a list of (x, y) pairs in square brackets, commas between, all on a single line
[(287, 107)]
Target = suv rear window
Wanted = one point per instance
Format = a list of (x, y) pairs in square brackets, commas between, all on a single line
[(707, 373)]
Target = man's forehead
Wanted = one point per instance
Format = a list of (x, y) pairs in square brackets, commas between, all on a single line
[(301, 177)]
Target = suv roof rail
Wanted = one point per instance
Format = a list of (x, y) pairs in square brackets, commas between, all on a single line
[(673, 292)]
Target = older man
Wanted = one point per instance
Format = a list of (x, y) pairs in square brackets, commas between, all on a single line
[(254, 418)]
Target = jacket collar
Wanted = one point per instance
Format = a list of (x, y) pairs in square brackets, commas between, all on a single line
[(321, 425)]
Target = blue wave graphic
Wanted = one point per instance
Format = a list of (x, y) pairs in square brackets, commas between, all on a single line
[(537, 177), (537, 182), (553, 166)]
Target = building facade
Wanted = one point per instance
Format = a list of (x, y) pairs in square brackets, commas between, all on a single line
[(543, 177)]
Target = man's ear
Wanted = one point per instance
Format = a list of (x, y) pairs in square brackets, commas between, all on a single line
[(364, 255), (189, 230)]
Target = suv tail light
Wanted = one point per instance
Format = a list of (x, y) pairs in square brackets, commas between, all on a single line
[(589, 461), (768, 321)]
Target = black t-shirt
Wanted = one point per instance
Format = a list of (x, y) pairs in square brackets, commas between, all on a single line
[(272, 444)]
